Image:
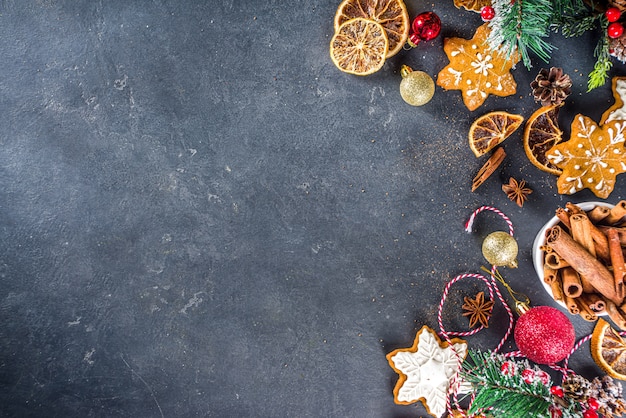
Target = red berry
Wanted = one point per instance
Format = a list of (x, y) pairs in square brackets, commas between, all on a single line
[(590, 413), (556, 391), (612, 14), (555, 412), (487, 13), (528, 375), (615, 30), (593, 404)]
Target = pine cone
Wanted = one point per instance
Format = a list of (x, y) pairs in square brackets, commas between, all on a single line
[(576, 388), (551, 87), (617, 48), (609, 396)]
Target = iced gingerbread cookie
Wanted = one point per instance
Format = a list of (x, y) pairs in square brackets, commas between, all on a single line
[(476, 70), (592, 158), (618, 110), (426, 370)]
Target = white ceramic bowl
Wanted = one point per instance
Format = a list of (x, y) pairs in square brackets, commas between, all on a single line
[(540, 239)]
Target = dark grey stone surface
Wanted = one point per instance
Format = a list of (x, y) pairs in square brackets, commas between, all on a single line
[(201, 216)]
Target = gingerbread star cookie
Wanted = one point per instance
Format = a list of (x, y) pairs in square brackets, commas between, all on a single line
[(592, 158), (426, 370), (618, 110), (477, 70)]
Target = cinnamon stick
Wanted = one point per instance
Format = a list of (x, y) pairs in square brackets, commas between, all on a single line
[(617, 261), (489, 167), (584, 263), (557, 289), (572, 287), (598, 213), (572, 305), (621, 233), (616, 315), (581, 232), (549, 274), (594, 301), (573, 209), (555, 261), (585, 312), (563, 216), (616, 213)]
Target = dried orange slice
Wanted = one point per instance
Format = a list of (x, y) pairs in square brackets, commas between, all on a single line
[(491, 129), (391, 14), (541, 133), (474, 5), (608, 350), (359, 47)]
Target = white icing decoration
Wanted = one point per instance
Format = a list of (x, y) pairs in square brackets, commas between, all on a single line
[(457, 75), (483, 64), (619, 114)]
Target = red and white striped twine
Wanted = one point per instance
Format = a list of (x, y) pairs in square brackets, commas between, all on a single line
[(470, 222)]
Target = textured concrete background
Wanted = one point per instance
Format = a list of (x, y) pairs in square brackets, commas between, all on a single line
[(201, 216)]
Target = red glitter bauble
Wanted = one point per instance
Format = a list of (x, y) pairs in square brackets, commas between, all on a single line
[(425, 27), (544, 335)]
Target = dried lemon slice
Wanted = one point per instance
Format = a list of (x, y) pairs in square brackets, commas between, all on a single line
[(391, 14), (491, 129), (541, 133), (359, 47), (608, 350)]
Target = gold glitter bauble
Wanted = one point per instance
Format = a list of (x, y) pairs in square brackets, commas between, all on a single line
[(500, 249), (416, 87)]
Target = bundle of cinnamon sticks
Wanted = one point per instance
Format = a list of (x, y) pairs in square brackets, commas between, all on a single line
[(584, 261)]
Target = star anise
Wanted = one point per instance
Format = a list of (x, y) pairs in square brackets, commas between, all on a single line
[(478, 309), (516, 191)]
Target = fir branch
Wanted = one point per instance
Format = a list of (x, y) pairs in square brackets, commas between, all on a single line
[(572, 26), (603, 64), (575, 18), (522, 26), (503, 392)]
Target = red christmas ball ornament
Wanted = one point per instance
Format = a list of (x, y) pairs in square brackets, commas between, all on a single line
[(487, 13), (615, 30), (613, 14), (544, 334), (590, 413), (425, 27)]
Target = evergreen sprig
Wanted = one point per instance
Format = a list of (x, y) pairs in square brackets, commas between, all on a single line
[(503, 387), (603, 64), (501, 392), (522, 26)]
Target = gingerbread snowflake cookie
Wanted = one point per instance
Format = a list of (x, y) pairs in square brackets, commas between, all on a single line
[(618, 110), (426, 370), (477, 70), (592, 158)]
